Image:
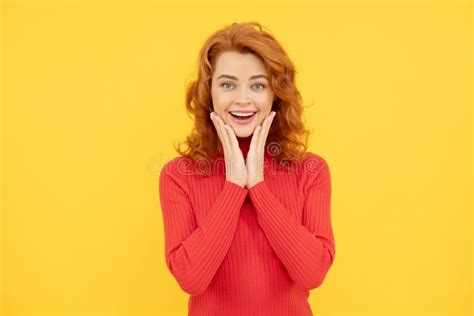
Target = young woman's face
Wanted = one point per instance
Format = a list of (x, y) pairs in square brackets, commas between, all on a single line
[(240, 84)]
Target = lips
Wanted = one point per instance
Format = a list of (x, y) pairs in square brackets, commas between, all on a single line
[(242, 120), (243, 117)]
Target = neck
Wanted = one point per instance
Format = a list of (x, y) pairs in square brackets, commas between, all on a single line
[(244, 144)]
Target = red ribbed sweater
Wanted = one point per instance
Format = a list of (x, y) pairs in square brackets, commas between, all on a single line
[(240, 251)]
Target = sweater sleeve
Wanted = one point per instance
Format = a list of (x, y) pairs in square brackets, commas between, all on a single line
[(194, 252), (307, 250)]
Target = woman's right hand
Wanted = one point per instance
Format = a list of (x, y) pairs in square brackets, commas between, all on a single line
[(236, 170)]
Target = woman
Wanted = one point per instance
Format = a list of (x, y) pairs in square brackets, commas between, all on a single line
[(251, 234)]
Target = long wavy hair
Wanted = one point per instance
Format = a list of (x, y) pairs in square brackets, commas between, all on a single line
[(287, 138)]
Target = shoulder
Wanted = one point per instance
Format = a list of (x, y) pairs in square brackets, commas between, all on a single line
[(177, 166), (315, 162), (315, 169), (176, 170)]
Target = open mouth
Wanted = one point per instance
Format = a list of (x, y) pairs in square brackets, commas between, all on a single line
[(243, 117)]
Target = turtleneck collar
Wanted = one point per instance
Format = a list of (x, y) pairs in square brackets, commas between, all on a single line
[(244, 144)]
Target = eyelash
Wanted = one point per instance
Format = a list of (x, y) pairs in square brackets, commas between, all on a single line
[(263, 86)]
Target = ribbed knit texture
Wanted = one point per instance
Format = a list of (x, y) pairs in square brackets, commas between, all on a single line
[(240, 251)]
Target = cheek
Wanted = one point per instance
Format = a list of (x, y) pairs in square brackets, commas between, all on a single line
[(217, 102), (262, 117), (221, 99), (265, 100)]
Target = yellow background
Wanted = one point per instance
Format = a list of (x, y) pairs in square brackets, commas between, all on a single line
[(93, 101)]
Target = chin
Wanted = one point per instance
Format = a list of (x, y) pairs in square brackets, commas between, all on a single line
[(244, 135), (243, 132)]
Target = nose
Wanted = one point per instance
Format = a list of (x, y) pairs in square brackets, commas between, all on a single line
[(242, 97)]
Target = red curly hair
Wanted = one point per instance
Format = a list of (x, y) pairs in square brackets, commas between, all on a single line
[(287, 129)]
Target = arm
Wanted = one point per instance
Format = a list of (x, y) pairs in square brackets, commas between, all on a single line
[(194, 253), (307, 250)]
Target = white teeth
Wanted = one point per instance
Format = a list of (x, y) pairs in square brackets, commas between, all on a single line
[(242, 114)]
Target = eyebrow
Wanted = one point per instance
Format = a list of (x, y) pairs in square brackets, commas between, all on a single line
[(235, 78)]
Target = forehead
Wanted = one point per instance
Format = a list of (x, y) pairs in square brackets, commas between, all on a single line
[(239, 64)]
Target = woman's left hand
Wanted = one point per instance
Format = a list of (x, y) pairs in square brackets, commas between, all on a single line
[(255, 155)]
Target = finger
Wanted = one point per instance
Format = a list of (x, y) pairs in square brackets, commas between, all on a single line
[(218, 128), (224, 133), (233, 139), (220, 132), (264, 133), (253, 142)]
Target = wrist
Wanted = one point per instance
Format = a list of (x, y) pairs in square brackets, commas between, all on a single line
[(254, 183)]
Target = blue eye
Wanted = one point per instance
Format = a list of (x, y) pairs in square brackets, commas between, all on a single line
[(225, 83), (257, 84)]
